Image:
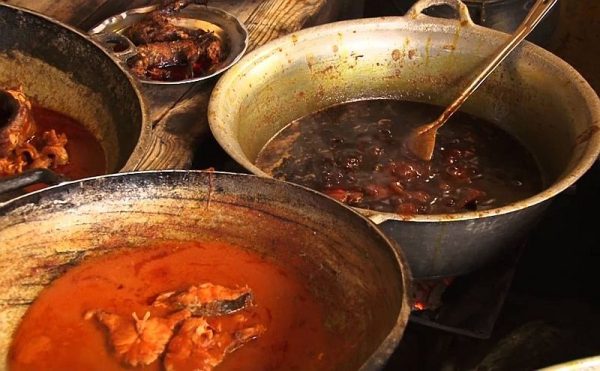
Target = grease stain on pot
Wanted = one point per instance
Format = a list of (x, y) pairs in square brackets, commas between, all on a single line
[(427, 50), (311, 60)]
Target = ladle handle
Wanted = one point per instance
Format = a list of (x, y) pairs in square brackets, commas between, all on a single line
[(536, 14)]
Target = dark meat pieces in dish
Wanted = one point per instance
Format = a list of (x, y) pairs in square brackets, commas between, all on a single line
[(152, 59), (354, 152), (156, 27), (21, 147), (163, 46)]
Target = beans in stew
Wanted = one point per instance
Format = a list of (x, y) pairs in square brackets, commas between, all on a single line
[(355, 153)]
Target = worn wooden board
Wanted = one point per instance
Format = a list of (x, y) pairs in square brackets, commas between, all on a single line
[(70, 12), (178, 112)]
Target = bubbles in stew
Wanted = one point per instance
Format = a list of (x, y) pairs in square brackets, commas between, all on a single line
[(355, 153)]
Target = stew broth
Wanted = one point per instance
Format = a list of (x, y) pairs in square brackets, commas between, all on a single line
[(354, 152), (54, 335), (86, 155)]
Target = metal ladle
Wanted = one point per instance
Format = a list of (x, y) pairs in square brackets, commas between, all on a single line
[(421, 140)]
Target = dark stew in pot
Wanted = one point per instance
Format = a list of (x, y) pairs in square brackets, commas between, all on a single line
[(354, 152)]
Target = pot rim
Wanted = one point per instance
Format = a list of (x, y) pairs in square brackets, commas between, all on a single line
[(141, 146), (420, 23), (387, 345)]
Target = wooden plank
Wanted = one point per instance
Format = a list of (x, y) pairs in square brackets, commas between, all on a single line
[(66, 11), (178, 132), (275, 18)]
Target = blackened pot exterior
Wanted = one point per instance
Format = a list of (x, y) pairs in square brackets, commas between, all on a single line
[(447, 248)]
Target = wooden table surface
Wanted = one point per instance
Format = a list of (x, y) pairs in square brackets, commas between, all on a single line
[(178, 112)]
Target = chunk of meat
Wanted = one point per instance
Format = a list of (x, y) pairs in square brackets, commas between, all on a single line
[(16, 121), (206, 299), (162, 44), (20, 147), (11, 166), (157, 26), (139, 341), (176, 53), (198, 346)]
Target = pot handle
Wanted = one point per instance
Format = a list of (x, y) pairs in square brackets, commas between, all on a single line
[(29, 177), (416, 11)]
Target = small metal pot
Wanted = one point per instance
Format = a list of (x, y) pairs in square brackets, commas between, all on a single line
[(62, 69), (534, 95), (225, 26), (352, 269)]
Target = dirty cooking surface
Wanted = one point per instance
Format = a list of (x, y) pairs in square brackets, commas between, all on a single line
[(354, 152), (174, 306)]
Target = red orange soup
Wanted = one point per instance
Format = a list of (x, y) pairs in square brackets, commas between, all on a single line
[(55, 334)]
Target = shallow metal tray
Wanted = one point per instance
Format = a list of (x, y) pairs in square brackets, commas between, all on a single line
[(225, 26)]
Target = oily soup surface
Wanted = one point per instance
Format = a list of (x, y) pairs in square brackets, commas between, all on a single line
[(54, 335), (86, 156), (355, 153)]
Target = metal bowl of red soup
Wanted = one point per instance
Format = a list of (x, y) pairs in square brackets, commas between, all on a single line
[(190, 270), (65, 104), (330, 108)]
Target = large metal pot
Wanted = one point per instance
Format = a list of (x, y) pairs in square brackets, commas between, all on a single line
[(345, 261), (534, 95), (64, 70)]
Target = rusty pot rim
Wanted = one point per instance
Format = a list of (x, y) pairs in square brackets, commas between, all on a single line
[(143, 142), (417, 23)]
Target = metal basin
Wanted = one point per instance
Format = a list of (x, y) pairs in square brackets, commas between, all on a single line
[(534, 95), (62, 69), (353, 270)]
